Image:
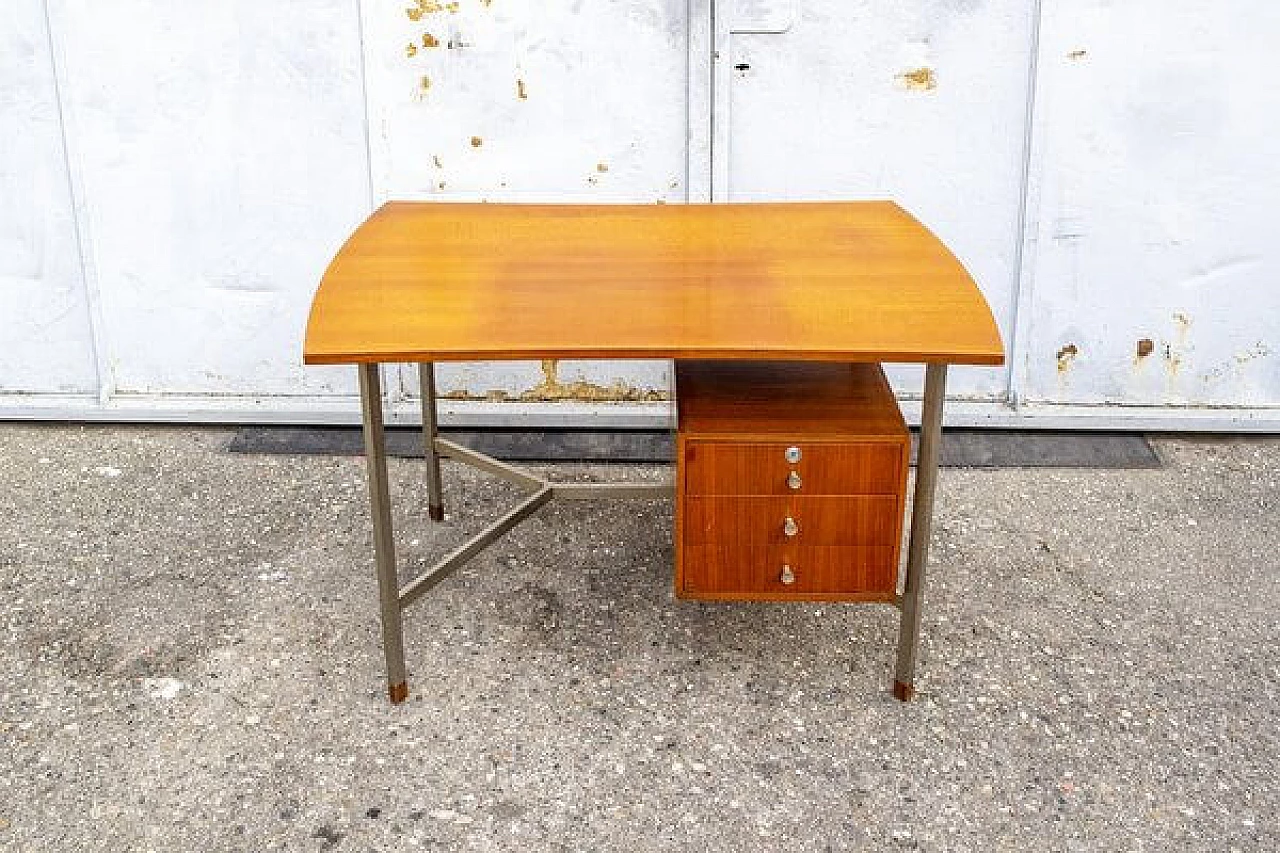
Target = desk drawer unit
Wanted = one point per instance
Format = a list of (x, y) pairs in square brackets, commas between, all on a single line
[(790, 482)]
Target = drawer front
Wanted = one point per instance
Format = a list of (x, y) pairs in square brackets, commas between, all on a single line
[(855, 468), (747, 571), (832, 520)]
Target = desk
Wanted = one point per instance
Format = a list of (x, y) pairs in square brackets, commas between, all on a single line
[(847, 282)]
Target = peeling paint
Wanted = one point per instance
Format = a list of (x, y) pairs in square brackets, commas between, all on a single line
[(1172, 361), (552, 389), (1238, 361), (919, 79), (495, 395), (422, 7), (1066, 355), (1259, 350)]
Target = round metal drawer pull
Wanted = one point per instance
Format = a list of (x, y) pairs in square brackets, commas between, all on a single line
[(793, 455), (793, 480), (790, 527), (788, 577)]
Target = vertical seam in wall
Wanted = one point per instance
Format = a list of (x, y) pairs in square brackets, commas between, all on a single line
[(689, 89), (1024, 256), (698, 161), (711, 99), (364, 97), (391, 392), (719, 99), (80, 223)]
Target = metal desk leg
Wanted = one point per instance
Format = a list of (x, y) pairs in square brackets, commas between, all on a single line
[(935, 389), (384, 545), (435, 493)]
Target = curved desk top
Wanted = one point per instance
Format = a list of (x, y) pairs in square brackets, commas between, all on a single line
[(832, 281)]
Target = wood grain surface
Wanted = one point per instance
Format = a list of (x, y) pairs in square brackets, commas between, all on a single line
[(844, 468), (786, 400), (736, 422), (821, 519), (821, 573), (837, 281)]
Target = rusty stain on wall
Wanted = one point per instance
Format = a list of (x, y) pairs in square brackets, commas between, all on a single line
[(1066, 355), (422, 7), (1173, 352), (496, 395), (919, 79), (429, 7), (552, 389)]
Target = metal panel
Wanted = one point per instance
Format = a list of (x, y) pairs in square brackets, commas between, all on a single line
[(891, 100), (923, 101), (223, 159), (46, 343), (552, 101), (1153, 254), (216, 155)]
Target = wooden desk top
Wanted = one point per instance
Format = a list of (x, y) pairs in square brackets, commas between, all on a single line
[(837, 281)]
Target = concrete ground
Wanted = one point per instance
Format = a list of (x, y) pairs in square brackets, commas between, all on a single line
[(192, 663)]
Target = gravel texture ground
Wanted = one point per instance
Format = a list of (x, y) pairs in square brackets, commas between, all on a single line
[(192, 663)]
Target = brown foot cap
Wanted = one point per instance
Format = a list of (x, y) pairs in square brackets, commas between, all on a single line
[(903, 692), (398, 692), (436, 513)]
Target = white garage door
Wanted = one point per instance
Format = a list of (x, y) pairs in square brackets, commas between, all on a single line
[(176, 177)]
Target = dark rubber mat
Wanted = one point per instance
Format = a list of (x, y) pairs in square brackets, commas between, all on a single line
[(960, 448)]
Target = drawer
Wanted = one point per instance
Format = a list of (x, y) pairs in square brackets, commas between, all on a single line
[(830, 520), (848, 468), (713, 571)]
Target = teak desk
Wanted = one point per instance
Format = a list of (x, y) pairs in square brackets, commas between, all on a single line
[(843, 282)]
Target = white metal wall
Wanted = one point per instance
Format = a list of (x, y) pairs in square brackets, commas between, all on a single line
[(865, 99), (1153, 274), (174, 178)]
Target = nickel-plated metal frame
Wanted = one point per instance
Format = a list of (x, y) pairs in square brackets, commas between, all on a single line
[(935, 391), (394, 597)]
